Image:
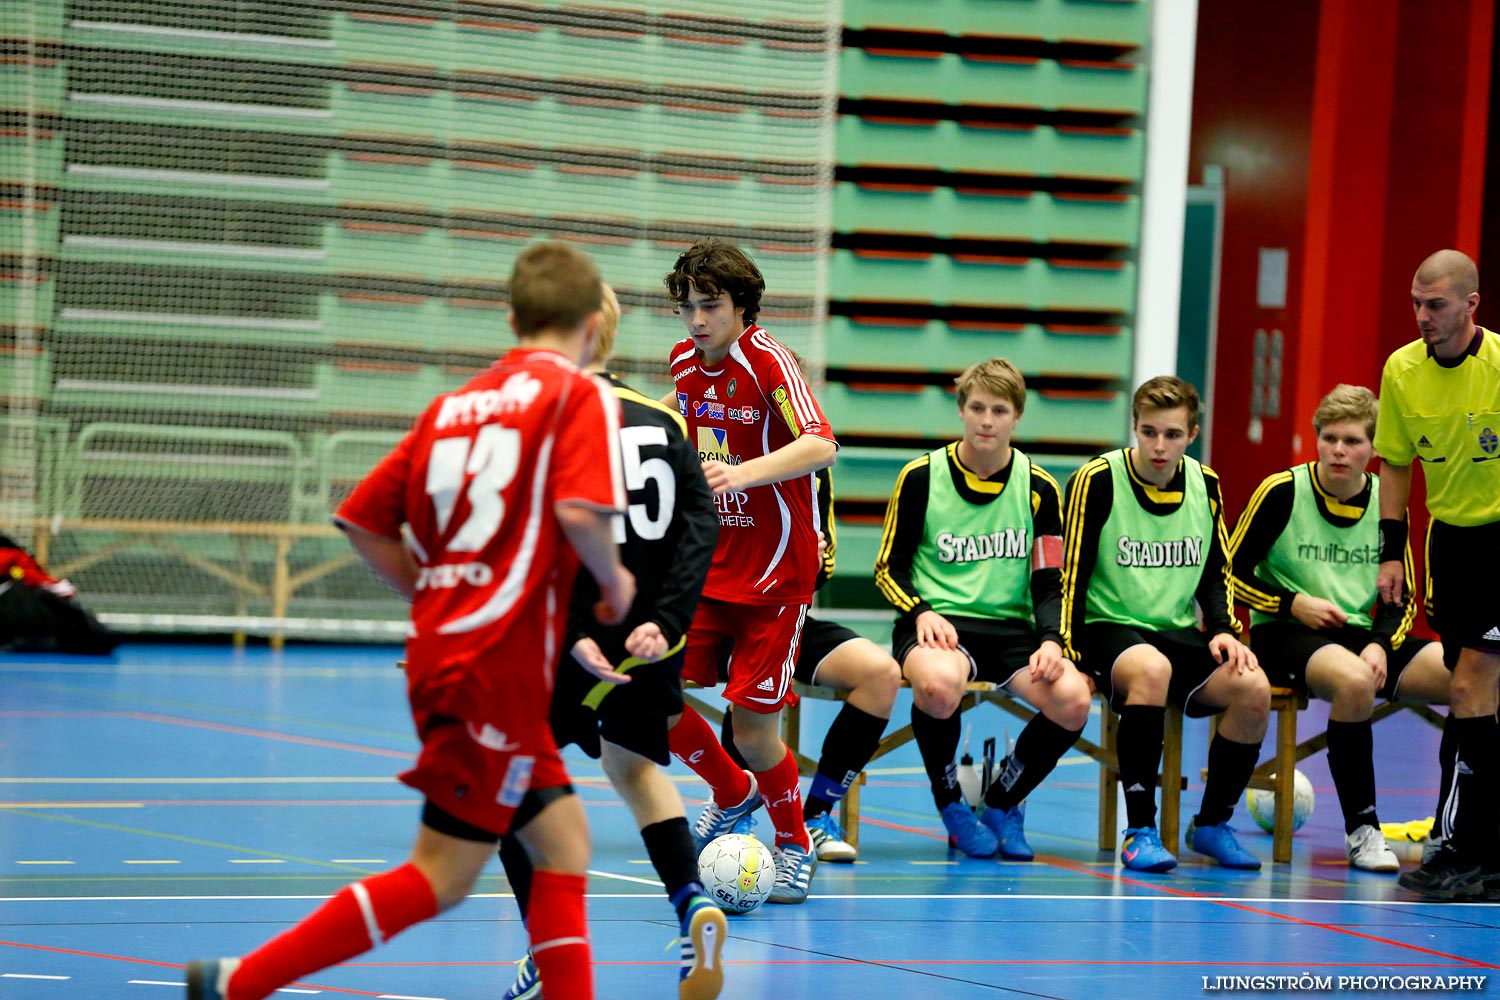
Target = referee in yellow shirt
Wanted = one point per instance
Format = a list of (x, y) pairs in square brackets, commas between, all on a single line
[(1440, 404)]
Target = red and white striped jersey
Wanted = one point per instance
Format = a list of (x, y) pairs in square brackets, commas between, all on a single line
[(475, 482), (748, 405)]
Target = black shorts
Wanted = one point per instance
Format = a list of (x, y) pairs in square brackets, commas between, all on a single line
[(1100, 644), (819, 638), (996, 650), (1284, 648), (1461, 604), (633, 716)]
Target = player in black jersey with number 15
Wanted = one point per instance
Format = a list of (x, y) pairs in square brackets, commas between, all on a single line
[(667, 535)]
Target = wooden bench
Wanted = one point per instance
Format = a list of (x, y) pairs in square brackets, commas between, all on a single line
[(978, 693), (1278, 774)]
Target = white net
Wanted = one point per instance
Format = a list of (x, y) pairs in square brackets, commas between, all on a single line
[(246, 242)]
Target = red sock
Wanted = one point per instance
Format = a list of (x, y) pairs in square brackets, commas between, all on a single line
[(356, 919), (560, 936), (783, 796), (694, 742)]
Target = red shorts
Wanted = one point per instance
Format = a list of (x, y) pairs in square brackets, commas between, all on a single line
[(764, 640), (486, 739)]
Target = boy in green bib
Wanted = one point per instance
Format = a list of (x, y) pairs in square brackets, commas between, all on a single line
[(971, 558), (1145, 555), (1305, 556)]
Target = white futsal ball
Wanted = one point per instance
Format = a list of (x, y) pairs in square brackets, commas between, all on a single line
[(737, 872), (1263, 804)]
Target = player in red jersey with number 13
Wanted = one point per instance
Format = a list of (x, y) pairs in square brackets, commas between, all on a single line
[(501, 488)]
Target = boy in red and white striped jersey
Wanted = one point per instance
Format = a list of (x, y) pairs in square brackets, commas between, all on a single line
[(761, 436)]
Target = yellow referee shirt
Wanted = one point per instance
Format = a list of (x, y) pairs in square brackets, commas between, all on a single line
[(1448, 416)]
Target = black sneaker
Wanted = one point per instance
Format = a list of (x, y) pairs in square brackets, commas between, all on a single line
[(1446, 877)]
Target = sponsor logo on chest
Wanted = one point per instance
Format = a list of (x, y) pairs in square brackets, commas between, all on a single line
[(713, 446), (732, 509), (1012, 543), (1338, 554), (1159, 555)]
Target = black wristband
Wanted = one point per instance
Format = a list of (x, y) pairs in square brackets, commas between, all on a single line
[(1392, 539)]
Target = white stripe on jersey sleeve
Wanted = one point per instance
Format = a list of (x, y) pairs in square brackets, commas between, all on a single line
[(796, 385), (685, 355), (611, 405)]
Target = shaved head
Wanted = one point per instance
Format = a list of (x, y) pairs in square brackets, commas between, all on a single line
[(1453, 265)]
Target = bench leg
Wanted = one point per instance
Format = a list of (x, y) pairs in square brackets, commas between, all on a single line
[(791, 727), (1286, 773), (1171, 778), (1109, 778), (849, 812)]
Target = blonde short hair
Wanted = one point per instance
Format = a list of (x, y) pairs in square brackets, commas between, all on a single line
[(997, 377), (609, 324), (1166, 392), (1347, 402)]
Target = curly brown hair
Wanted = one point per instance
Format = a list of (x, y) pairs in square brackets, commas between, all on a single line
[(713, 266)]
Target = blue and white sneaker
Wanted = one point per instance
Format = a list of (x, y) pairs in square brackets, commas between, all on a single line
[(1143, 851), (794, 872), (208, 979), (703, 932), (1218, 842), (1009, 826), (828, 839), (745, 824), (528, 984), (716, 820), (966, 833)]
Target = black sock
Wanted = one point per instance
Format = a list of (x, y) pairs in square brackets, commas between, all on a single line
[(1442, 827), (1351, 762), (1477, 820), (1138, 743), (1041, 743), (726, 737), (1230, 764), (518, 870), (938, 741), (669, 845), (851, 741)]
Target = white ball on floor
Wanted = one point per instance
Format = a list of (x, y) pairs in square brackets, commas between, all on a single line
[(1262, 804), (737, 872)]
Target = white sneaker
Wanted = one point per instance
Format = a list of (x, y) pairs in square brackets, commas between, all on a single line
[(1369, 852), (716, 820)]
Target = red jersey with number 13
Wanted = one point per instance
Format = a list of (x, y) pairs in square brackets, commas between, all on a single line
[(475, 481), (751, 403)]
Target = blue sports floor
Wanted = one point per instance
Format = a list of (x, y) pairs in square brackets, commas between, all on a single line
[(187, 801)]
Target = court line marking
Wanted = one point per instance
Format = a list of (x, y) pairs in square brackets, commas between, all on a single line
[(223, 727), (24, 975), (1471, 962), (1182, 898), (179, 838)]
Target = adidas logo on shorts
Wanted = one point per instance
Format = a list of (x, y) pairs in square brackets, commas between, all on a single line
[(1493, 635), (765, 685)]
